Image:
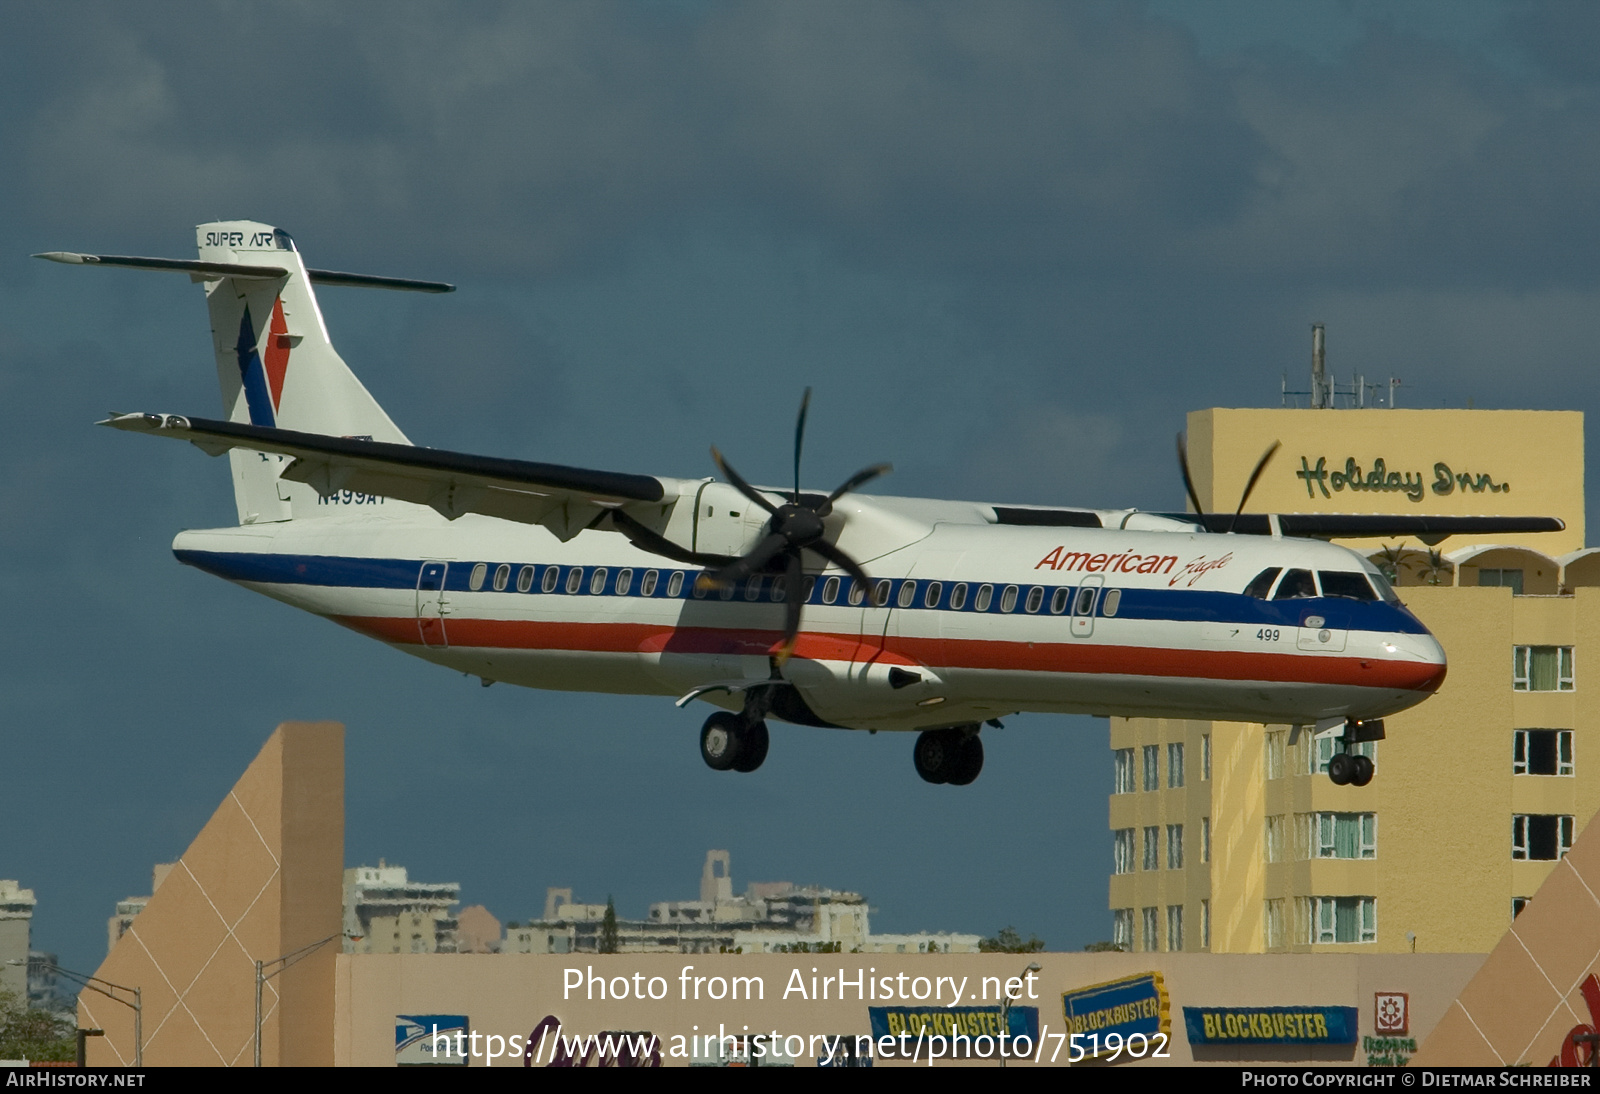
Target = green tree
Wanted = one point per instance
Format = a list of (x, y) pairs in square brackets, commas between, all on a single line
[(1009, 941), (34, 1034), (608, 928), (1102, 947)]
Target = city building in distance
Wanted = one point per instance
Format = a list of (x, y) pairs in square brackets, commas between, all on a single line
[(16, 927), (1230, 837), (386, 912), (770, 917)]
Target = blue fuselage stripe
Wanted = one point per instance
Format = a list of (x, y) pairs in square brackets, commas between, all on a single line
[(1163, 605)]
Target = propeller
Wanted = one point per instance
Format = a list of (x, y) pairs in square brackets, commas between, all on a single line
[(795, 527), (1249, 486)]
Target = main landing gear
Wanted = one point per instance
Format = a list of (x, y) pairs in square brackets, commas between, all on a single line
[(730, 743), (1346, 768), (953, 756)]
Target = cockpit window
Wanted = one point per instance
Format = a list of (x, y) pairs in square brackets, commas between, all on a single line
[(1296, 584), (1261, 584), (1385, 589), (1352, 586)]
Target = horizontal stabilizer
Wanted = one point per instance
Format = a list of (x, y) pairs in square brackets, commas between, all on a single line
[(245, 271), (565, 499)]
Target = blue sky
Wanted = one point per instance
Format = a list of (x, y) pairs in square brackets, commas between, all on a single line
[(1009, 245)]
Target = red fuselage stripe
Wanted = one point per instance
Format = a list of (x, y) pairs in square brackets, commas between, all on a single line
[(938, 653)]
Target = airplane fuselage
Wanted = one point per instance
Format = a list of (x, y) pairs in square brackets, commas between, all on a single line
[(963, 622)]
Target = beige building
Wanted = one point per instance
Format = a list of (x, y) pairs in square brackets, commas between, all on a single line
[(1230, 837), (16, 925)]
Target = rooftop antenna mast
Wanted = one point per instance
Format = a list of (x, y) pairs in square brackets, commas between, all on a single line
[(1319, 373)]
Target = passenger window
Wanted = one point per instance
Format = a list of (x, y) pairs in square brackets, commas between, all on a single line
[(858, 593), (1296, 585), (811, 587), (908, 593), (1035, 598), (985, 595), (624, 582), (1340, 583), (752, 589), (958, 597), (1058, 602), (1008, 599), (830, 590), (701, 585), (726, 590), (880, 593), (1085, 604), (1261, 584), (597, 583), (524, 579), (1112, 602), (930, 599), (552, 575), (502, 577), (647, 587), (780, 589), (475, 581), (675, 583)]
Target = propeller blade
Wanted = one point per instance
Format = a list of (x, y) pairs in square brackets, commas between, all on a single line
[(647, 540), (800, 436), (1188, 483), (752, 563), (860, 478), (843, 561), (1261, 465), (738, 481), (793, 601)]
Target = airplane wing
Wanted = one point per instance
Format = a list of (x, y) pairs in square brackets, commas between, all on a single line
[(1429, 529), (564, 499)]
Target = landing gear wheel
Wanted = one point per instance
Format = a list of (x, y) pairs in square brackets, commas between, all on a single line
[(722, 741), (969, 761), (752, 747), (1341, 768), (1364, 770), (936, 754)]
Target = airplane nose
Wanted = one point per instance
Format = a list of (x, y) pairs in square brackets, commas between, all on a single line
[(1423, 655)]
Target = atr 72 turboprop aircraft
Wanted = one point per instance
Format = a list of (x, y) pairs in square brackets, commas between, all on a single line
[(839, 610)]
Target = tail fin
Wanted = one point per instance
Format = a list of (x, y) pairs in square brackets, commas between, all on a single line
[(275, 362)]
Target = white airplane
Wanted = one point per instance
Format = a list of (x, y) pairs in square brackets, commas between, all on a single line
[(759, 600)]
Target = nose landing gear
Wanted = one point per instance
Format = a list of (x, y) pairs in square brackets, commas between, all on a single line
[(1346, 768), (953, 756)]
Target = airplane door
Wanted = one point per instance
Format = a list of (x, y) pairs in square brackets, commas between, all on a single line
[(1084, 603), (432, 606)]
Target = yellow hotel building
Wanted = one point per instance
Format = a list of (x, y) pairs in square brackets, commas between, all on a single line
[(1230, 837)]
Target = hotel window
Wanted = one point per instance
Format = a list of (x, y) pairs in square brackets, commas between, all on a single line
[(1122, 852), (1347, 835), (1541, 752), (1346, 919), (1302, 920), (1274, 844), (1541, 837), (1174, 766), (1175, 928), (1152, 848), (1152, 776), (1205, 839), (1274, 746), (1205, 924), (1273, 927), (1541, 668), (1511, 579), (1122, 769), (1174, 846), (1205, 756), (1321, 750), (1151, 940), (1122, 929)]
